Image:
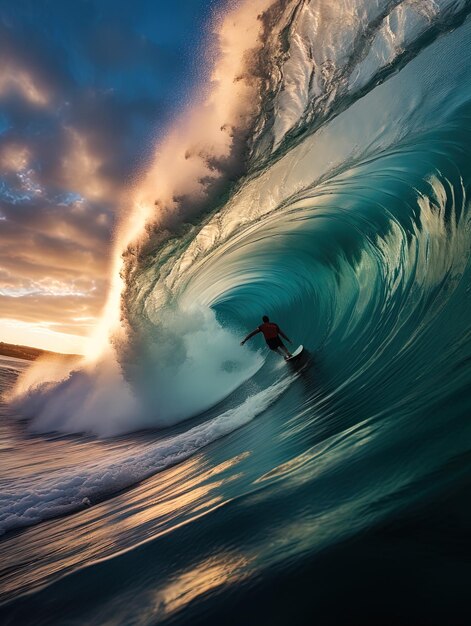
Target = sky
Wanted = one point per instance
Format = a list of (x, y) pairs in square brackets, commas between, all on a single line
[(87, 88)]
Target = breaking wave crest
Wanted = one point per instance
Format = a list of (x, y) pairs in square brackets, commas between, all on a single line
[(335, 199)]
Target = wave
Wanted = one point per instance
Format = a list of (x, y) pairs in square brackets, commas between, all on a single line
[(28, 501), (344, 220)]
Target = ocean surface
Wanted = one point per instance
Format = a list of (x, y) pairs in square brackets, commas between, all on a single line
[(331, 491)]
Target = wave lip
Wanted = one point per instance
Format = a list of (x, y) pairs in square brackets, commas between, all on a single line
[(322, 57)]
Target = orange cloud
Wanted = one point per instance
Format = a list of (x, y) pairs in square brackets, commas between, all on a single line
[(14, 157), (81, 168), (17, 80)]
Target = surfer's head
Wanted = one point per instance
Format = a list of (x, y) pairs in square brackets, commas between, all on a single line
[(265, 318)]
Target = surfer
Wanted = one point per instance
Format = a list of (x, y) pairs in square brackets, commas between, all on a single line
[(271, 332)]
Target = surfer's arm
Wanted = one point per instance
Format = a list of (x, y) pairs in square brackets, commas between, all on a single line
[(280, 332), (254, 332)]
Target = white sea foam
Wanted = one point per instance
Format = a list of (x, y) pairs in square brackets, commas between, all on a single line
[(30, 500), (186, 366), (87, 397)]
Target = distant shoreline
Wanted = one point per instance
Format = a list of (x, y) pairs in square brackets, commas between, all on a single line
[(28, 353)]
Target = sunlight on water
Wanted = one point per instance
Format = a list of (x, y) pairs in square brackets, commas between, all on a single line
[(221, 473)]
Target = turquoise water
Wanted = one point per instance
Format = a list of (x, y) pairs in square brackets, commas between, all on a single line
[(335, 491)]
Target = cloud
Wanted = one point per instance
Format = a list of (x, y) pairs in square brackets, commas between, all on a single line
[(72, 314), (13, 79), (14, 157), (84, 90)]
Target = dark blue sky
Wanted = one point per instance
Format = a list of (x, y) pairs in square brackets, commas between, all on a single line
[(86, 89), (124, 67)]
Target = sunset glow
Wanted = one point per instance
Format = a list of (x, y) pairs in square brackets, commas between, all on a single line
[(75, 135)]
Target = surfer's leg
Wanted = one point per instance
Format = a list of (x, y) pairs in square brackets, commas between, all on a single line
[(285, 350), (277, 346)]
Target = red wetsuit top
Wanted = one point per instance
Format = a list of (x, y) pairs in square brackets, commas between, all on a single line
[(269, 330)]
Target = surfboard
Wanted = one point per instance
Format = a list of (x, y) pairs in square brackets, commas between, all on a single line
[(296, 353)]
